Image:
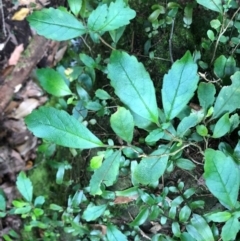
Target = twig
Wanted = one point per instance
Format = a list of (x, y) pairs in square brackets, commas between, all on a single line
[(170, 41), (103, 41), (3, 22)]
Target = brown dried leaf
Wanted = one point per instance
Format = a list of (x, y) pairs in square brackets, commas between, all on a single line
[(15, 56), (121, 200), (25, 108)]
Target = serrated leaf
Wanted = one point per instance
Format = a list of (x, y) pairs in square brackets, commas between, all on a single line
[(59, 127), (113, 234), (122, 123), (93, 212), (222, 177), (228, 98), (199, 229), (75, 6), (106, 174), (155, 164), (24, 186), (215, 5), (107, 18), (230, 229), (53, 82), (222, 126), (133, 85), (56, 24), (179, 85)]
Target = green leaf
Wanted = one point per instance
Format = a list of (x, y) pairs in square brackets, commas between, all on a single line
[(199, 229), (107, 18), (53, 82), (56, 24), (222, 177), (23, 210), (96, 162), (155, 164), (154, 135), (228, 98), (230, 229), (215, 23), (176, 229), (222, 126), (188, 10), (185, 164), (102, 94), (60, 174), (210, 35), (59, 127), (186, 237), (219, 217), (122, 123), (87, 60), (106, 174), (56, 207), (93, 212), (75, 6), (133, 85), (215, 5), (2, 203), (179, 85), (141, 217), (117, 34), (184, 214), (186, 123), (113, 234), (219, 66), (202, 130), (24, 186), (39, 201)]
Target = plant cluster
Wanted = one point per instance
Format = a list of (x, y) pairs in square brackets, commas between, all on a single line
[(146, 136)]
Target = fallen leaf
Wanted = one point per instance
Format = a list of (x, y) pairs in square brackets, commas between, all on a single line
[(21, 14), (15, 55), (121, 200), (26, 107)]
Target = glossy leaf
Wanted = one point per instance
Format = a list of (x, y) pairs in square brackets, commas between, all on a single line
[(53, 82), (176, 229), (184, 214), (63, 26), (123, 124), (215, 5), (230, 229), (179, 85), (199, 229), (133, 85), (93, 212), (106, 174), (102, 94), (107, 18), (24, 186), (154, 135), (39, 201), (222, 126), (228, 98), (60, 128), (155, 164), (114, 234), (222, 177)]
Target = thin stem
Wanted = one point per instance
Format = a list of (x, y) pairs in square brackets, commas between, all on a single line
[(170, 41), (223, 30), (104, 42)]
